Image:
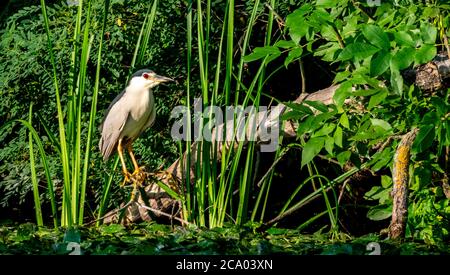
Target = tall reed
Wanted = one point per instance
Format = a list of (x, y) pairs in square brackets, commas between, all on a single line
[(209, 200)]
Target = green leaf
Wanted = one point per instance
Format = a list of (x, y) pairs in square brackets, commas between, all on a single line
[(404, 57), (425, 53), (293, 54), (431, 118), (396, 78), (342, 93), (380, 212), (112, 229), (317, 105), (343, 157), (380, 63), (338, 136), (376, 99), (262, 52), (344, 121), (299, 108), (376, 36), (311, 149), (382, 160), (428, 33), (292, 115), (365, 92), (327, 3), (329, 145), (381, 123), (386, 181), (341, 76), (370, 195), (328, 51), (404, 39), (297, 24), (325, 130), (424, 138), (285, 44), (378, 193), (305, 126), (357, 51)]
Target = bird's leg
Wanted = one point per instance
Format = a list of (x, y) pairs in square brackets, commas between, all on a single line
[(122, 160), (133, 159), (138, 176)]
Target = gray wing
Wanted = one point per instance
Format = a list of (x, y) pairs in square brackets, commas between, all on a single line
[(111, 128), (119, 96)]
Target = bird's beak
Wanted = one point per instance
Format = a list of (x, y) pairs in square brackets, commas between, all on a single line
[(162, 79)]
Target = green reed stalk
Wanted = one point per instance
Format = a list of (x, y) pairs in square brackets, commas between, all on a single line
[(144, 37), (43, 156), (67, 214), (92, 117), (186, 162), (37, 200)]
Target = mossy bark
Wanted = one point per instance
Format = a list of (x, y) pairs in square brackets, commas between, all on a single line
[(400, 190)]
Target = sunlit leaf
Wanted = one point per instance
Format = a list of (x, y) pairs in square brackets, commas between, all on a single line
[(293, 54), (343, 157), (380, 63), (285, 44), (338, 136), (376, 36), (376, 99), (380, 212), (317, 105), (357, 51), (329, 145), (311, 149), (404, 57), (425, 53), (344, 121), (428, 32), (381, 123), (404, 39), (262, 52)]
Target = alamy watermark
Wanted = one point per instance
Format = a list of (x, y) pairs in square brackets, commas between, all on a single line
[(234, 124)]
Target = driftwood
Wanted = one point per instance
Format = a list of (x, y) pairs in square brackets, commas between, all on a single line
[(173, 176)]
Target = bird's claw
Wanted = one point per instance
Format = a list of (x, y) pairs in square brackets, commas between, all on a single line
[(136, 179), (127, 178)]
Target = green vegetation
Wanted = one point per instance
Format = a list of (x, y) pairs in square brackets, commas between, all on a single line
[(62, 64), (157, 239)]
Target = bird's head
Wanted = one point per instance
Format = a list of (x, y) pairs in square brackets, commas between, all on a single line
[(147, 79)]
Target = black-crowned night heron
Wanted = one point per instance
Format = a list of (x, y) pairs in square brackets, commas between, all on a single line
[(130, 114)]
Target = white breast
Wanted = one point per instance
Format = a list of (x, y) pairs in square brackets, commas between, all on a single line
[(139, 104)]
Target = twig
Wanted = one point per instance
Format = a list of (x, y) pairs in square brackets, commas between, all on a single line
[(279, 19), (156, 211), (302, 75), (289, 212), (342, 190), (111, 213), (381, 147), (272, 167)]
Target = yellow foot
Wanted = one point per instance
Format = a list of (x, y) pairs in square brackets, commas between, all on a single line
[(138, 177), (127, 179)]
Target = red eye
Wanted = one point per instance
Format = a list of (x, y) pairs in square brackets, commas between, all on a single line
[(146, 75)]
